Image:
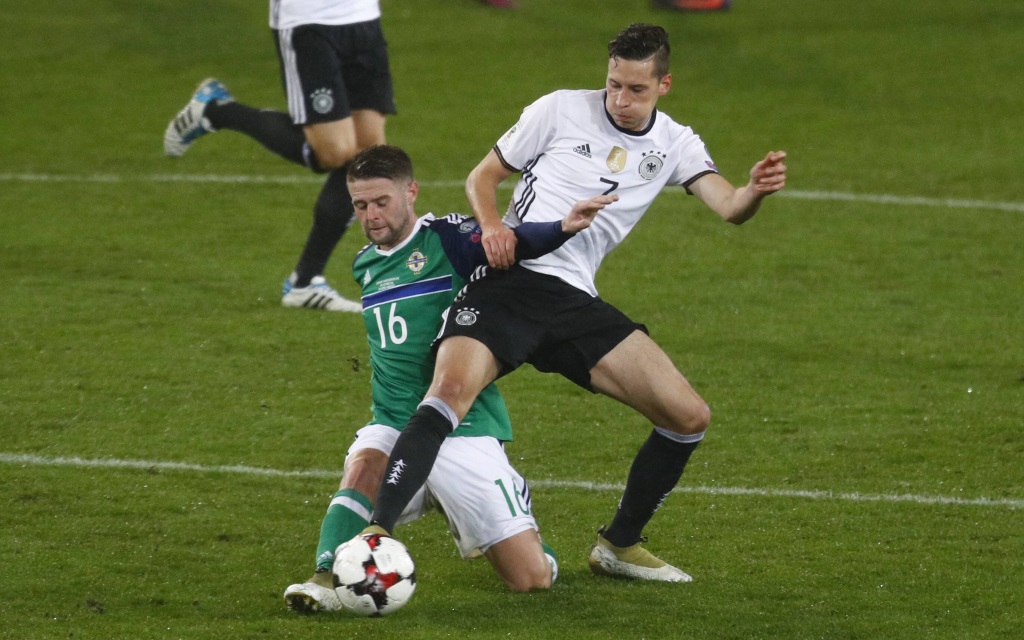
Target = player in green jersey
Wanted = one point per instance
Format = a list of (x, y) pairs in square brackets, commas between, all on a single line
[(409, 274)]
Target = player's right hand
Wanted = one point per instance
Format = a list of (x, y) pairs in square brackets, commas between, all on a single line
[(769, 174), (500, 246), (584, 212)]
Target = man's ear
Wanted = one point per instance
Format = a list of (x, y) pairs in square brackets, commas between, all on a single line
[(665, 84)]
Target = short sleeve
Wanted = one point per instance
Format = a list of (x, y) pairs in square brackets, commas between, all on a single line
[(531, 136), (694, 161), (460, 240)]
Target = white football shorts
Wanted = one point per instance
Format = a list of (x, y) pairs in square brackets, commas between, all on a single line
[(472, 484)]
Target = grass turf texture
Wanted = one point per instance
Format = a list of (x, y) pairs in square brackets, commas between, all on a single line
[(851, 347)]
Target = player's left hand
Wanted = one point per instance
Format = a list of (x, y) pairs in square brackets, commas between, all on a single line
[(769, 175), (584, 211)]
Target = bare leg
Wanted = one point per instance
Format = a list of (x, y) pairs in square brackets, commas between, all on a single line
[(519, 561)]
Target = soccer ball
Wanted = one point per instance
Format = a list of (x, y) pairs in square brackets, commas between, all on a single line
[(374, 575)]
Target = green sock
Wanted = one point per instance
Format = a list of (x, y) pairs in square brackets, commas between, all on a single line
[(552, 557), (347, 515)]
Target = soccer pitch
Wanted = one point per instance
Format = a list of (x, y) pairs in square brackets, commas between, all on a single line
[(171, 435)]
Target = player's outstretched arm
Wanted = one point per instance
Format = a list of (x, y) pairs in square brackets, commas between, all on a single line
[(739, 205), (538, 238), (584, 212)]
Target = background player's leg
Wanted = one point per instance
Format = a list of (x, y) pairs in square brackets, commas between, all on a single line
[(334, 144), (332, 215), (273, 129)]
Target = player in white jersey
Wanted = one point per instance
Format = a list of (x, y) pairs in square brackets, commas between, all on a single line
[(337, 80), (288, 14), (561, 153), (546, 311)]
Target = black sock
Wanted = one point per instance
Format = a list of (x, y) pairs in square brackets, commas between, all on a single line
[(410, 463), (656, 469), (332, 215), (273, 129)]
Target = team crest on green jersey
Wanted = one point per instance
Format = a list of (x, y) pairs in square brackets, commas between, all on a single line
[(616, 159), (416, 261)]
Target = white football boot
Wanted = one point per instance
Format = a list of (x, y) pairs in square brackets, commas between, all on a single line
[(189, 124), (316, 295), (316, 595), (632, 562)]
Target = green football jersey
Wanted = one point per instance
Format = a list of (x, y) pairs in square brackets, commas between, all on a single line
[(405, 291)]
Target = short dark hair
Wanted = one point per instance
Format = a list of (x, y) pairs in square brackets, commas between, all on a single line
[(641, 41), (380, 161)]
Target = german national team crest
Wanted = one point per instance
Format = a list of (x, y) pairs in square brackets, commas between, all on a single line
[(651, 164), (616, 159), (416, 261), (466, 317), (323, 100)]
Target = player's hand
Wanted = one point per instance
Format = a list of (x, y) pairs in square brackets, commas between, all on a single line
[(500, 246), (769, 175), (584, 211)]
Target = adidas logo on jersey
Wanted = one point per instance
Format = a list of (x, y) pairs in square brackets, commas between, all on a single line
[(583, 150)]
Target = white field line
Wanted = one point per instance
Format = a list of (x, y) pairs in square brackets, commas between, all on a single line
[(27, 460), (919, 201)]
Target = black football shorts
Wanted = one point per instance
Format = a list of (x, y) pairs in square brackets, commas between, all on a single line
[(328, 71), (525, 316)]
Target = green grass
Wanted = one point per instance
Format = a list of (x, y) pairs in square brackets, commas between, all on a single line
[(853, 352)]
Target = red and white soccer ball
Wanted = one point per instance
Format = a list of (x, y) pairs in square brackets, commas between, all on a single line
[(374, 575)]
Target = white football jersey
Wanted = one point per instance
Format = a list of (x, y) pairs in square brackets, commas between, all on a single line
[(568, 149), (287, 14)]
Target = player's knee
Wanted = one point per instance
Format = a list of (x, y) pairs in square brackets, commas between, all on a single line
[(455, 393), (701, 419), (694, 420), (334, 158), (525, 581), (334, 154)]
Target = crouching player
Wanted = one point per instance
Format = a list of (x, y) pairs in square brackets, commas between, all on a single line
[(409, 274)]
